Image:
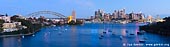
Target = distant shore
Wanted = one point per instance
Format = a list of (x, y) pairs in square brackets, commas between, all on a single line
[(161, 28)]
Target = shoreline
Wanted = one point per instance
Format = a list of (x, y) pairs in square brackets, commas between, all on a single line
[(158, 32), (14, 35), (18, 34)]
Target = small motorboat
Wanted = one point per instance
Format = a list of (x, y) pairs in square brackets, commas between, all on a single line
[(142, 41), (22, 36), (145, 38), (53, 25), (100, 38), (109, 31), (65, 29), (121, 37), (104, 32), (33, 35), (113, 33), (102, 35), (132, 34), (126, 31), (140, 33)]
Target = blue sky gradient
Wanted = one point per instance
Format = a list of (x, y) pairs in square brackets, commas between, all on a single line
[(85, 8)]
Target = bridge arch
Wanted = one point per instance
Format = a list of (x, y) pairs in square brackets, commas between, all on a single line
[(47, 12)]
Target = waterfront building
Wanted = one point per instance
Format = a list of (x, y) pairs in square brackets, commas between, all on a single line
[(149, 18), (11, 25), (6, 18)]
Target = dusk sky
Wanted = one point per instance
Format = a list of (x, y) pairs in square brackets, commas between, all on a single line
[(84, 8)]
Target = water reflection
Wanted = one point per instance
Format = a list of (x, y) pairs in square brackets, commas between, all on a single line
[(12, 42), (73, 36), (86, 35)]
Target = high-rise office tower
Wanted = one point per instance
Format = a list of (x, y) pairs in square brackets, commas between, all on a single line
[(74, 15), (115, 14)]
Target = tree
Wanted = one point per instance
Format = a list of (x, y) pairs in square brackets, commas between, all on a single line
[(1, 22)]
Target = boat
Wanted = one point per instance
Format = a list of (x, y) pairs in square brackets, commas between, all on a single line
[(55, 29), (33, 35), (123, 22), (145, 38), (132, 34), (100, 38), (102, 35), (121, 37), (66, 29), (140, 32), (104, 32), (142, 41), (126, 31), (22, 36), (109, 31), (113, 33), (53, 25), (87, 22)]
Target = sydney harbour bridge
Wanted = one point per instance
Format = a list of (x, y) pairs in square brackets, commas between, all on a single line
[(55, 15), (38, 13)]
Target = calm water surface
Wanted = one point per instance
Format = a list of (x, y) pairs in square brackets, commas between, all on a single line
[(86, 35)]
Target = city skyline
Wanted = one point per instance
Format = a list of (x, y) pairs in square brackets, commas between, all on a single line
[(84, 8)]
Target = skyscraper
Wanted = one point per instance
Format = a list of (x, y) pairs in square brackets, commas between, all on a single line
[(115, 14), (74, 15)]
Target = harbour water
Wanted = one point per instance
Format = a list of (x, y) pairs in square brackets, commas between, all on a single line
[(86, 35)]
